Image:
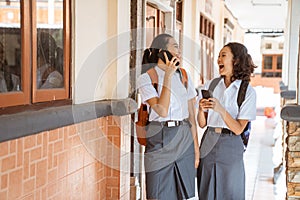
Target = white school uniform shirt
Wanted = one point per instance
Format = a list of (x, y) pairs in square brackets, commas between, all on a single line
[(15, 80), (54, 79), (178, 109), (228, 99)]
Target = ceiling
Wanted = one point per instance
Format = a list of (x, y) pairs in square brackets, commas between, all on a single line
[(259, 14)]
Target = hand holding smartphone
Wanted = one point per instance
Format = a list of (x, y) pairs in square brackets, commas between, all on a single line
[(161, 55), (206, 94)]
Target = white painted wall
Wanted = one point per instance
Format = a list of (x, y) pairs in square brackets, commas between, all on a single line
[(252, 42), (291, 61), (101, 50), (190, 42)]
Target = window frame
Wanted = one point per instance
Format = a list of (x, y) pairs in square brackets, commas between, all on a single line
[(29, 95), (274, 69), (21, 97)]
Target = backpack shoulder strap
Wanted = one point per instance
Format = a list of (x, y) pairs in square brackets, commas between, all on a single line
[(184, 77), (154, 77), (242, 92), (214, 83)]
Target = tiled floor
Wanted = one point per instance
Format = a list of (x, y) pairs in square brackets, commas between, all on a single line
[(261, 157), (264, 153)]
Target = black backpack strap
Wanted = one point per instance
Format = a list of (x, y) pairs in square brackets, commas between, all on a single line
[(214, 83), (240, 100), (242, 92)]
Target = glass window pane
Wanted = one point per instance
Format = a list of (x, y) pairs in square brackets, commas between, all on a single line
[(267, 62), (279, 62), (10, 46), (50, 70)]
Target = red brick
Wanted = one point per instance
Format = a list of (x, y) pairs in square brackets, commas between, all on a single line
[(28, 186), (8, 163), (32, 172), (3, 148), (39, 139), (41, 173), (12, 145), (3, 195), (4, 179), (15, 184), (53, 135), (58, 147), (29, 142), (20, 153), (35, 154)]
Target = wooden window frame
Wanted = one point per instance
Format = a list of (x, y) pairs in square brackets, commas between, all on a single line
[(274, 64), (42, 95), (207, 27), (179, 12), (29, 94), (21, 97)]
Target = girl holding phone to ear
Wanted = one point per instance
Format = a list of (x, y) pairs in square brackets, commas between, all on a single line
[(172, 150)]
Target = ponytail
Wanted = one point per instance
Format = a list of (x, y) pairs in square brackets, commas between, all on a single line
[(150, 57)]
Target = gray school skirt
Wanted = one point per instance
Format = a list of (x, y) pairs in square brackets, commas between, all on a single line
[(221, 173), (170, 162)]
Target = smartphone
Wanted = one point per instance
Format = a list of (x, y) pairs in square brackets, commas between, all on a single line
[(161, 55), (206, 94)]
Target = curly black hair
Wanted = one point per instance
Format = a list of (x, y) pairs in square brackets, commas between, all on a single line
[(243, 65)]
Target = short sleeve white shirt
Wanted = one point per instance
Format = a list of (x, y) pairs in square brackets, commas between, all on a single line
[(178, 109), (228, 99)]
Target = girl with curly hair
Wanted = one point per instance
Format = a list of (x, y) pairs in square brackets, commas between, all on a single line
[(221, 173)]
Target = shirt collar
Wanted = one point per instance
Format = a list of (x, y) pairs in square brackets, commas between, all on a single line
[(236, 83)]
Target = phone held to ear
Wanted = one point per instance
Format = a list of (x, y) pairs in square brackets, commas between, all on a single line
[(169, 55), (206, 94)]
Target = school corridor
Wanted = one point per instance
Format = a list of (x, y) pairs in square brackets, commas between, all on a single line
[(260, 161), (264, 154)]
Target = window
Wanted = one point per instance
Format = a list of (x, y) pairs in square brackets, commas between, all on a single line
[(207, 27), (272, 65), (179, 11), (206, 36), (34, 51), (268, 46)]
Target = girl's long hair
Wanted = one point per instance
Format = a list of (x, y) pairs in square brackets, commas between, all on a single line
[(49, 51), (150, 57), (243, 65)]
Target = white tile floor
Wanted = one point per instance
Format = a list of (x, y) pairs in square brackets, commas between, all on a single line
[(264, 153), (261, 157)]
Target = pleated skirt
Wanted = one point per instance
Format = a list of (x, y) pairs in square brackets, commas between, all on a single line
[(169, 162), (221, 173)]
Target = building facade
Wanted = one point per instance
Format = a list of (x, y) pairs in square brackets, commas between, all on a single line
[(76, 140)]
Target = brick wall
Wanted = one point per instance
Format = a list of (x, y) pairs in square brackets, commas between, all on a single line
[(293, 160), (89, 160)]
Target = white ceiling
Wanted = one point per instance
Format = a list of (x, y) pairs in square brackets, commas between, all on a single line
[(259, 14)]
